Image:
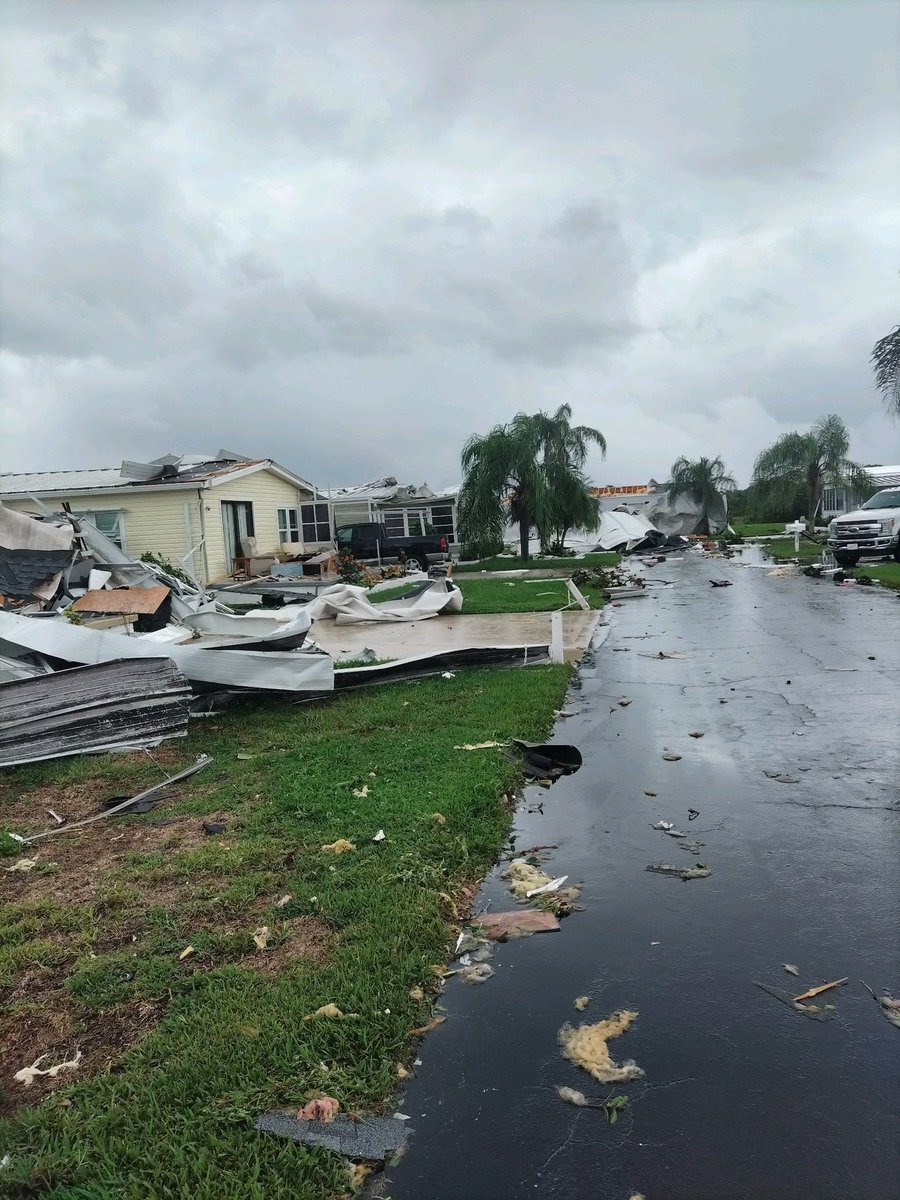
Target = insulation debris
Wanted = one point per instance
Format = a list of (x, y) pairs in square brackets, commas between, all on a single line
[(479, 746), (262, 937), (527, 881), (330, 1011), (322, 1108), (22, 864), (478, 973), (582, 1002), (586, 1046), (341, 846), (27, 1075)]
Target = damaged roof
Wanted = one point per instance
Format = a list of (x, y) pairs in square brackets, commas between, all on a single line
[(172, 470)]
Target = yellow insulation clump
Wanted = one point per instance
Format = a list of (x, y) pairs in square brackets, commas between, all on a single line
[(586, 1046)]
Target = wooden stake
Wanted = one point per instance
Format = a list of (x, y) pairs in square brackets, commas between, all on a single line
[(818, 990)]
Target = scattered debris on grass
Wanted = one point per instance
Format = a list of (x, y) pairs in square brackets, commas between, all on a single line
[(521, 923), (322, 1108), (416, 993), (186, 953), (581, 1002), (262, 936), (23, 864), (341, 846), (286, 899), (480, 746), (329, 1011), (700, 871), (890, 1007), (27, 1075), (791, 969), (379, 836), (586, 1046), (361, 793), (439, 818), (212, 828)]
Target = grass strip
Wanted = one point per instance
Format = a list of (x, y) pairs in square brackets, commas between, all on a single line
[(92, 937)]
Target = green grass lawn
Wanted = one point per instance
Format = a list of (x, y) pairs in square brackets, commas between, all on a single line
[(888, 573), (809, 551), (506, 596), (516, 564), (90, 942), (743, 529)]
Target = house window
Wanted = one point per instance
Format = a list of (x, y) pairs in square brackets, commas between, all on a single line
[(109, 522), (315, 522), (393, 523), (416, 520), (442, 521), (288, 525)]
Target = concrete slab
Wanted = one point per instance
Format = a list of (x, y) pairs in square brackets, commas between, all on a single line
[(402, 639)]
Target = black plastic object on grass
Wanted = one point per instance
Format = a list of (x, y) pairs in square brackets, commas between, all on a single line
[(540, 761)]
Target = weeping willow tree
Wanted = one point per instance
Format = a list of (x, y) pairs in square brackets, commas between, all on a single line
[(528, 473), (705, 480), (809, 461)]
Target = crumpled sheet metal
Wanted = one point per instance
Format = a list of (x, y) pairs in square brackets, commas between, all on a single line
[(349, 605), (363, 1137), (33, 555)]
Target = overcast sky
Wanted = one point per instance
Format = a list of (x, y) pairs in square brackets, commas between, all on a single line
[(347, 236)]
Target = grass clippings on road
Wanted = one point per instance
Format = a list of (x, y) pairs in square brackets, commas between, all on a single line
[(182, 1050)]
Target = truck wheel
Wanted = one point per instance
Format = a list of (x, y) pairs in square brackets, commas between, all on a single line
[(846, 560), (417, 562)]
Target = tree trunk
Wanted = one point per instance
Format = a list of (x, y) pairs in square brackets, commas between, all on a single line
[(524, 531), (813, 500)]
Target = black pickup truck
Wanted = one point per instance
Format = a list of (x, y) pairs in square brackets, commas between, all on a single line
[(370, 544)]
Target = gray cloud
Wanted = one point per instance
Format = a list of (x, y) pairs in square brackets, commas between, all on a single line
[(349, 234)]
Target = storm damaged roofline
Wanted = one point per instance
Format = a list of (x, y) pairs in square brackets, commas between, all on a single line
[(52, 483)]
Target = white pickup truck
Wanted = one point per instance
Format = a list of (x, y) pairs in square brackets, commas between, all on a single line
[(873, 531)]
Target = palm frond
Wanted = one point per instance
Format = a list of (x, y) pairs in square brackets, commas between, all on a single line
[(886, 365)]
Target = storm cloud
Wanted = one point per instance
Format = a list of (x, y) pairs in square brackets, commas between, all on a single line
[(348, 235)]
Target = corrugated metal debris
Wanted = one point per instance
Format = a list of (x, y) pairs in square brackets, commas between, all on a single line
[(108, 706)]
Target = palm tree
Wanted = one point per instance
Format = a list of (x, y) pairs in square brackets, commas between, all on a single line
[(705, 480), (565, 448), (529, 472), (886, 365), (809, 460)]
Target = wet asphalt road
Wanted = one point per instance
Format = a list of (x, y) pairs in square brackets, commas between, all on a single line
[(743, 1098)]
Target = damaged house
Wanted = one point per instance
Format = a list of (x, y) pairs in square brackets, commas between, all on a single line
[(193, 508), (405, 511)]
